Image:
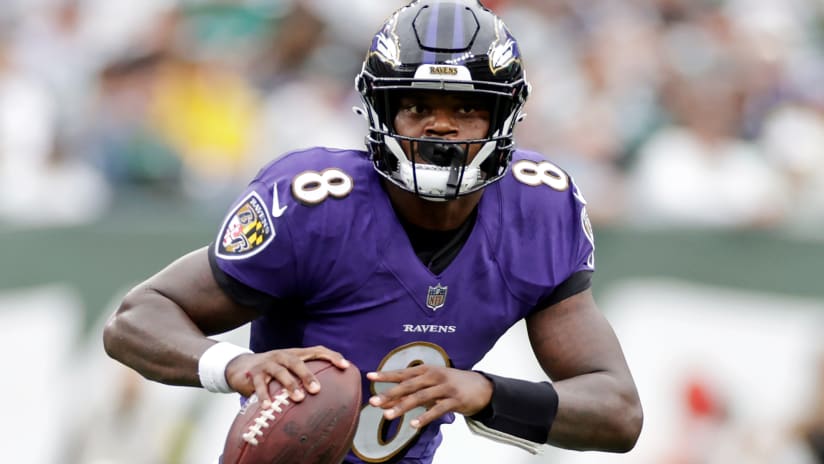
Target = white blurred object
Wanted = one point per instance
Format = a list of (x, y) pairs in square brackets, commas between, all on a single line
[(754, 350), (131, 420), (38, 329), (36, 188), (27, 121), (305, 113), (116, 25), (793, 139), (363, 18), (681, 181)]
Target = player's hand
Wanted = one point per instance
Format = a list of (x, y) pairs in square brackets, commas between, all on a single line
[(437, 388), (251, 373)]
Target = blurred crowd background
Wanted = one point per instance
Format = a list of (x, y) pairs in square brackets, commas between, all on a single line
[(670, 114), (667, 112)]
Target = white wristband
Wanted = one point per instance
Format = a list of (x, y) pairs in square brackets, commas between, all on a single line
[(211, 368)]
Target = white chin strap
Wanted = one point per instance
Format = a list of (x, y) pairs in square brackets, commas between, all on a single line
[(432, 181)]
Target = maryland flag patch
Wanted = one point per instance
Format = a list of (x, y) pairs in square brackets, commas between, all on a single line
[(247, 230)]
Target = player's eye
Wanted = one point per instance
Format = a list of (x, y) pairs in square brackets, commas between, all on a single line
[(415, 108)]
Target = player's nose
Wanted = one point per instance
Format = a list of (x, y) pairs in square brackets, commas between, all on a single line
[(441, 124)]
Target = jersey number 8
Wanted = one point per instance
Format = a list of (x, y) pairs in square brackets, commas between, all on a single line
[(535, 174), (371, 443), (312, 187)]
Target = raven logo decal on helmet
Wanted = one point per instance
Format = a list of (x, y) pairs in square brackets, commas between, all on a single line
[(385, 45), (443, 45), (503, 51)]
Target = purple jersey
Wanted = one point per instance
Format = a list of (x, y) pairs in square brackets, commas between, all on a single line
[(316, 229)]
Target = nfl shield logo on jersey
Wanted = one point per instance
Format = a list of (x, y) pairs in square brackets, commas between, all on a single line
[(436, 297)]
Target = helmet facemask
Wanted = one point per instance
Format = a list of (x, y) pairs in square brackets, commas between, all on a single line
[(435, 168), (400, 62)]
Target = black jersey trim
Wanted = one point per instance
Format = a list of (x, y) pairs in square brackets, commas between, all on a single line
[(237, 291), (575, 284), (437, 249)]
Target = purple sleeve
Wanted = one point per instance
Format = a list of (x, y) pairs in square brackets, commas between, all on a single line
[(545, 230), (254, 244), (582, 256)]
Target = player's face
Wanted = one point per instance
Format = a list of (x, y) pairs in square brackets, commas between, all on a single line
[(445, 115)]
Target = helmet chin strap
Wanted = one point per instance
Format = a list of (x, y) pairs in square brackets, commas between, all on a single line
[(430, 181), (456, 171)]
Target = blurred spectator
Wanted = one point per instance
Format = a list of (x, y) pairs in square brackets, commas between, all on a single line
[(667, 112), (40, 183), (699, 170), (175, 113), (793, 139), (597, 98), (54, 44), (207, 111), (305, 105), (123, 140)]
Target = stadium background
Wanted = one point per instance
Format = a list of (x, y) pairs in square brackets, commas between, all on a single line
[(694, 128)]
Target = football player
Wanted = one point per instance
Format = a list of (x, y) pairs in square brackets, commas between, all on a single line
[(410, 259)]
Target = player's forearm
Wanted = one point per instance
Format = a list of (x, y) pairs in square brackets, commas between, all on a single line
[(153, 336), (596, 412)]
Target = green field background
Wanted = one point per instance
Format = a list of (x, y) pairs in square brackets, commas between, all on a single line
[(99, 260)]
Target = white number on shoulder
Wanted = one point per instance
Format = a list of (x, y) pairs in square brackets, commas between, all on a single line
[(312, 187), (535, 174), (371, 443)]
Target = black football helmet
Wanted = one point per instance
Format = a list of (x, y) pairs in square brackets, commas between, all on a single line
[(452, 46)]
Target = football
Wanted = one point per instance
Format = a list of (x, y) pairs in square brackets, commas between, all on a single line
[(318, 429)]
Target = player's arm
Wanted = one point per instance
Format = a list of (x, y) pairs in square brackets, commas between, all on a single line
[(161, 330), (592, 405), (161, 326), (598, 405)]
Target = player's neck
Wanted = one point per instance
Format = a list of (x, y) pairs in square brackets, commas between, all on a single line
[(432, 215)]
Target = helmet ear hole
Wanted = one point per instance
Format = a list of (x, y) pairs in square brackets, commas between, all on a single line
[(362, 86)]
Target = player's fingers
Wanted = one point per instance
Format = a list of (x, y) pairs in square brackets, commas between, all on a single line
[(288, 381), (437, 410), (305, 376), (402, 404), (396, 406), (407, 381), (261, 383), (390, 397), (395, 376), (321, 352)]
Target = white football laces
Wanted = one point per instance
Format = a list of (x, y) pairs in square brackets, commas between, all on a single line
[(266, 415)]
